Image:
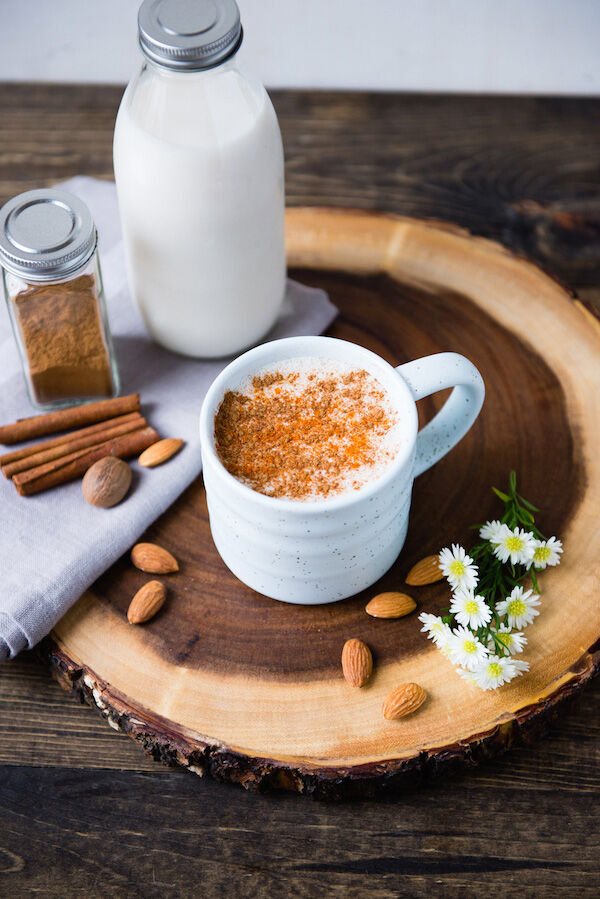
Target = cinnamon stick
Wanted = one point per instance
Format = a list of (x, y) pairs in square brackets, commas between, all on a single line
[(66, 447), (15, 455), (60, 471), (51, 422)]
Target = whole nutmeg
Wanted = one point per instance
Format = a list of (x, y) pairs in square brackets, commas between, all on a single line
[(106, 482)]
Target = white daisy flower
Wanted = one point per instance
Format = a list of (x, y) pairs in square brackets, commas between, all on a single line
[(547, 552), (491, 673), (490, 531), (496, 671), (436, 630), (469, 676), (465, 649), (458, 568), (517, 545), (470, 610), (520, 607), (516, 667), (514, 641)]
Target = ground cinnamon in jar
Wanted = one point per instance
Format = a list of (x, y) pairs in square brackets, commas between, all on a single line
[(53, 288), (307, 430), (63, 339)]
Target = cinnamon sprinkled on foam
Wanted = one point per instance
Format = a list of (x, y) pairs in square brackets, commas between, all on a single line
[(307, 429)]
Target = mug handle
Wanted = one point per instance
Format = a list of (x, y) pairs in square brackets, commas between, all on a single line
[(430, 374)]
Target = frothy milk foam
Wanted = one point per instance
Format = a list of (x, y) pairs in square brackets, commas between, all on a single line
[(360, 411)]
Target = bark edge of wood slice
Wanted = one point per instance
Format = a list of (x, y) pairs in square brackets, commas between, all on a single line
[(171, 745)]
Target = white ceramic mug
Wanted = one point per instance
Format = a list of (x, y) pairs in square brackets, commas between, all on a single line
[(320, 551)]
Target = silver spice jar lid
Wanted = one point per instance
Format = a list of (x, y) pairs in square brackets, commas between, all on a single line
[(46, 235), (189, 34)]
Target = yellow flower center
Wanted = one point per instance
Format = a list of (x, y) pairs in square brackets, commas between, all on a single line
[(517, 607), (514, 544), (471, 607), (505, 639), (494, 669), (542, 554), (458, 568), (469, 646)]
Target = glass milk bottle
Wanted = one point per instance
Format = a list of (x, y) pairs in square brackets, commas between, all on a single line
[(199, 170)]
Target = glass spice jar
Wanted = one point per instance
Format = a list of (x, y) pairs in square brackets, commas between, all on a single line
[(53, 288)]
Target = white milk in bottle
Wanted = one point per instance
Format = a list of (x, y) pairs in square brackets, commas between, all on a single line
[(199, 170)]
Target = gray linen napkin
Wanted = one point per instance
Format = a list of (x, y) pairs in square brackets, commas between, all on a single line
[(54, 545)]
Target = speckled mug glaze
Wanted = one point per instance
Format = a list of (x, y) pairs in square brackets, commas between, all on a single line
[(322, 551)]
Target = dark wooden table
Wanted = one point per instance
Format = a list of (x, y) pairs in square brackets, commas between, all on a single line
[(82, 812)]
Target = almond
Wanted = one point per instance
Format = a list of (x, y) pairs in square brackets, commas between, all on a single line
[(146, 602), (160, 451), (427, 571), (153, 559), (403, 700), (390, 605), (357, 662)]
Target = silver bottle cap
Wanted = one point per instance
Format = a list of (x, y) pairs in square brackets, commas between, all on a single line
[(189, 34), (45, 235)]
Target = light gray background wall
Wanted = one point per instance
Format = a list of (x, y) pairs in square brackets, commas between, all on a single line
[(511, 46)]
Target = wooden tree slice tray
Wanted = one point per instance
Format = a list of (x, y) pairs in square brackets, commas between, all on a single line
[(226, 682)]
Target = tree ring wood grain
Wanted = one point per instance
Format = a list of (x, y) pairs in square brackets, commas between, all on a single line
[(228, 683)]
